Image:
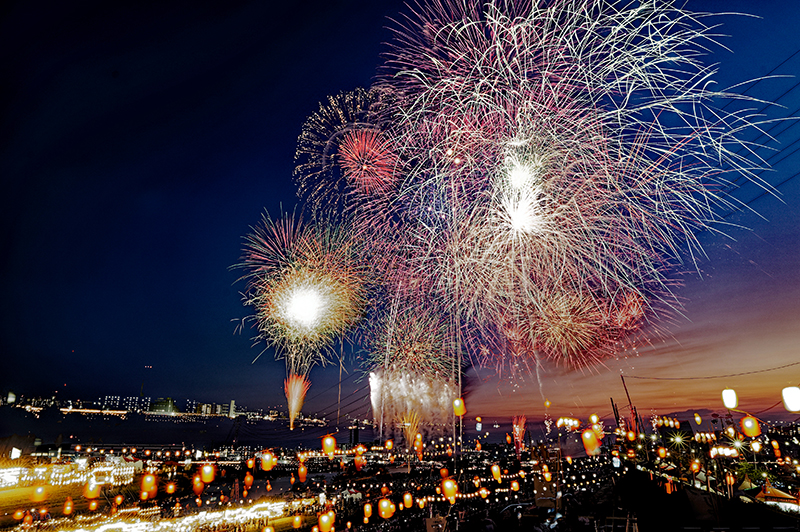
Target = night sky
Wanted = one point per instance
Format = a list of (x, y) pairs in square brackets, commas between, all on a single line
[(139, 144)]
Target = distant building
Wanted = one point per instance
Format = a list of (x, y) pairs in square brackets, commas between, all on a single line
[(191, 406), (164, 405), (232, 409), (131, 404), (111, 402)]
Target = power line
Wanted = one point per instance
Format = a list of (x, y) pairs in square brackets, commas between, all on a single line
[(712, 376)]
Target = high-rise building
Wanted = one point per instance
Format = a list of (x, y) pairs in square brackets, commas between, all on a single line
[(130, 403), (232, 409), (111, 402), (191, 406)]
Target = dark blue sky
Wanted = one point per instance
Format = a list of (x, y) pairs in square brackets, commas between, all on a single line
[(138, 144)]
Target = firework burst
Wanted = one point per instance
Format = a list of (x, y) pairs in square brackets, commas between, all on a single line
[(307, 289), (524, 180), (559, 159)]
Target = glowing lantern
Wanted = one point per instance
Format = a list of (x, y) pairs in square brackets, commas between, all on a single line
[(514, 485), (444, 473), (750, 427), (421, 503), (631, 436), (408, 499), (118, 500), (244, 493), (148, 482), (697, 418), (449, 451), (484, 492), (449, 488), (385, 508), (19, 514), (315, 528), (775, 448), (268, 529), (297, 522), (248, 480), (329, 445), (325, 523), (93, 505), (729, 398), (171, 488), (267, 462), (496, 472), (198, 502), (302, 471), (590, 442), (207, 473), (40, 494), (389, 445), (547, 403), (756, 446), (459, 408), (251, 463), (359, 462), (367, 510), (144, 495), (197, 486), (366, 520), (67, 506), (384, 489), (269, 486), (569, 460), (508, 438), (477, 446), (662, 452), (695, 467), (477, 481), (548, 476), (594, 418), (791, 398), (292, 480)]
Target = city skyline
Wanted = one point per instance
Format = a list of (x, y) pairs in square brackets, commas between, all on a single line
[(134, 169)]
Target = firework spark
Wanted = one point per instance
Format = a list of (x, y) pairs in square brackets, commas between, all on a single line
[(396, 395)]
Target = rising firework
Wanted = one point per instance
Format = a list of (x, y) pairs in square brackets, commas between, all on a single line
[(295, 387), (518, 431)]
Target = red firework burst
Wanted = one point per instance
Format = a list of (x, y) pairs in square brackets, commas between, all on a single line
[(367, 161)]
